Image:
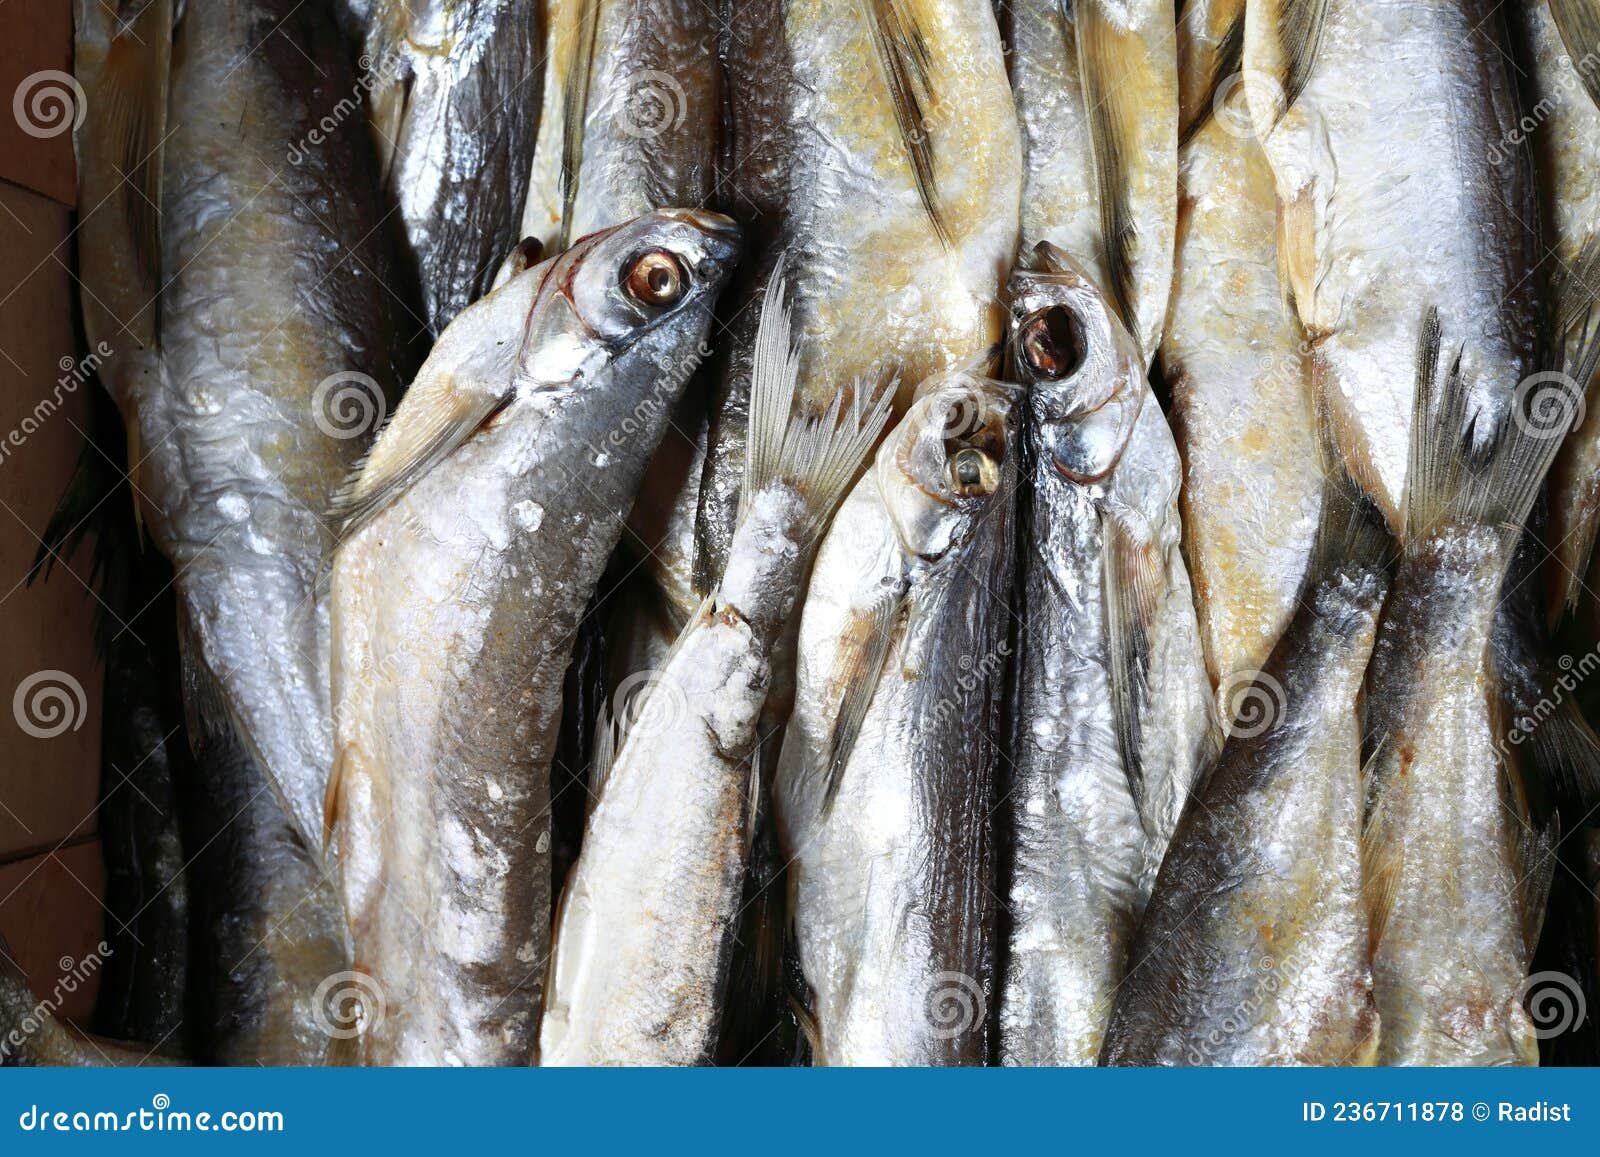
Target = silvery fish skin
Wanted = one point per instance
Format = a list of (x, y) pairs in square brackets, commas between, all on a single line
[(1254, 948), (632, 101), (455, 88), (473, 541), (646, 926), (1236, 365), (1383, 216), (1102, 590), (630, 108), (898, 219), (1465, 868), (1097, 94), (265, 403), (1451, 961), (1566, 148), (272, 956), (902, 647)]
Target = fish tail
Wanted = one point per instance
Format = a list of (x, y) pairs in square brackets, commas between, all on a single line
[(1351, 529), (816, 455), (1446, 483)]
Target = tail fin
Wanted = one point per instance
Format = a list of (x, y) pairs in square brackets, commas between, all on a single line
[(1351, 529), (818, 455), (1443, 485)]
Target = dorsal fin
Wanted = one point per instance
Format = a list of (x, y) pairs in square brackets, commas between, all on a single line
[(908, 72)]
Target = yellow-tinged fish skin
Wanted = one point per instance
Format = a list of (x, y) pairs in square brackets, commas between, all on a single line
[(1077, 190), (1241, 410)]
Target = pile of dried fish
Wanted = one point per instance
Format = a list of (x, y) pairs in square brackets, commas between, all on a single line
[(850, 532)]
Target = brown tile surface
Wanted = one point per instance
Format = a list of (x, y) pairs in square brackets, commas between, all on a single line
[(49, 676), (36, 37), (51, 917)]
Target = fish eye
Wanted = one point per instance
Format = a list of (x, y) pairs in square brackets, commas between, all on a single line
[(655, 278), (973, 474), (1053, 342)]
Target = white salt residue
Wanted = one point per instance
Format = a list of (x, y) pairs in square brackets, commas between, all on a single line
[(528, 514)]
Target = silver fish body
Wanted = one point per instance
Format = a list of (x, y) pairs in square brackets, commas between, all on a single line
[(647, 920), (1452, 956), (455, 93), (1113, 705), (1383, 215), (1464, 870), (878, 144), (885, 786), (264, 404), (630, 108), (1254, 948), (1097, 96), (1565, 141), (474, 539)]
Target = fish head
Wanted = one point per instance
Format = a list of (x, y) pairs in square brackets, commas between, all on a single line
[(948, 462), (638, 294), (1082, 368)]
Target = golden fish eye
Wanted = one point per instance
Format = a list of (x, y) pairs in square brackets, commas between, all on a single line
[(973, 473), (1053, 342), (655, 279)]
